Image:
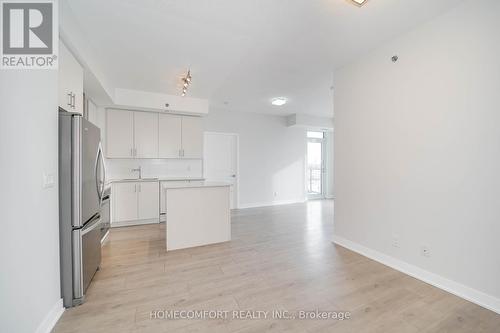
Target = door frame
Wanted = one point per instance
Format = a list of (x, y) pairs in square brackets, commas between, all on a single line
[(323, 142), (237, 179)]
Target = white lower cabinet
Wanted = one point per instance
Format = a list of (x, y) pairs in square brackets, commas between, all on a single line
[(148, 200), (134, 203), (124, 197)]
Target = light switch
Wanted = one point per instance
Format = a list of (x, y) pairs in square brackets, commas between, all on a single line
[(48, 180)]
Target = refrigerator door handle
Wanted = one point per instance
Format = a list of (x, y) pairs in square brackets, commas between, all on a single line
[(103, 170), (97, 180), (91, 225)]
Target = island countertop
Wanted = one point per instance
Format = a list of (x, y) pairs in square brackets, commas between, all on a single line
[(193, 184)]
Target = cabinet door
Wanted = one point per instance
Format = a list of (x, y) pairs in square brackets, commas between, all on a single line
[(148, 202), (169, 136), (119, 133), (192, 137), (146, 134), (124, 197), (70, 81)]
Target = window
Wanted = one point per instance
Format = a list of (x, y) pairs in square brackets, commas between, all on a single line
[(315, 135), (315, 168)]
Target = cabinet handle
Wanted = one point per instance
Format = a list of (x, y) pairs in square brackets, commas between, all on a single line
[(180, 152), (69, 99), (135, 151), (131, 151), (73, 100)]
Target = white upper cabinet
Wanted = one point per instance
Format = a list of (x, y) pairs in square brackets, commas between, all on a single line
[(146, 134), (192, 137), (135, 134), (169, 136), (70, 81), (119, 134)]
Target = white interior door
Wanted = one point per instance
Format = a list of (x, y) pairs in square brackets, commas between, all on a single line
[(221, 161)]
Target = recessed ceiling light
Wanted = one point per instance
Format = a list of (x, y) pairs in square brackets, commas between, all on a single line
[(359, 2), (279, 101)]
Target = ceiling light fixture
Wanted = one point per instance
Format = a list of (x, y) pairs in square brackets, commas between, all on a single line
[(186, 81), (279, 101), (359, 2)]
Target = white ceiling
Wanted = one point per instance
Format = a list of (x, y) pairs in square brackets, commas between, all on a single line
[(243, 53)]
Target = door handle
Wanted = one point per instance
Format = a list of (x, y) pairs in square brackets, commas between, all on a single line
[(88, 228), (97, 180)]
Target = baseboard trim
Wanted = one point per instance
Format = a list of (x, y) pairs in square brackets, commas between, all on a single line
[(133, 222), (50, 320), (472, 295), (271, 203)]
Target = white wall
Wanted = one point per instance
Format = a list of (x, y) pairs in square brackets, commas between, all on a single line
[(417, 149), (29, 237), (271, 156)]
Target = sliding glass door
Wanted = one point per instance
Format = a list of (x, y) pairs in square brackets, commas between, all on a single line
[(315, 169)]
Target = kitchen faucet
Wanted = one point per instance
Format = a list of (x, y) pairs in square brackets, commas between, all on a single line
[(139, 169)]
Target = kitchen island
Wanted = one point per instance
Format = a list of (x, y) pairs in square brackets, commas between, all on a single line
[(197, 213)]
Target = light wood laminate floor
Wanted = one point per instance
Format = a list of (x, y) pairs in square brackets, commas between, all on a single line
[(280, 258)]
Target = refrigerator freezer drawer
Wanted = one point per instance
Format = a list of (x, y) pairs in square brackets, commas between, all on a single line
[(86, 256)]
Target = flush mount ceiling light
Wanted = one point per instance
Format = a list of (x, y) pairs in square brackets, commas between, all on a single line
[(186, 81), (359, 2), (279, 101)]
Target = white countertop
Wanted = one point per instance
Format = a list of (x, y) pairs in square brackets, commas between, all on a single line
[(151, 179), (193, 184)]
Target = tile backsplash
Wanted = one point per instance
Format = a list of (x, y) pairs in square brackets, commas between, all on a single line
[(158, 168)]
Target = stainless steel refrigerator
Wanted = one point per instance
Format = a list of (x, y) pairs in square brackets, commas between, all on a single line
[(81, 186)]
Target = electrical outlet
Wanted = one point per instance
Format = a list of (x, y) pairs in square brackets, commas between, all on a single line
[(425, 251), (48, 180), (395, 241)]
